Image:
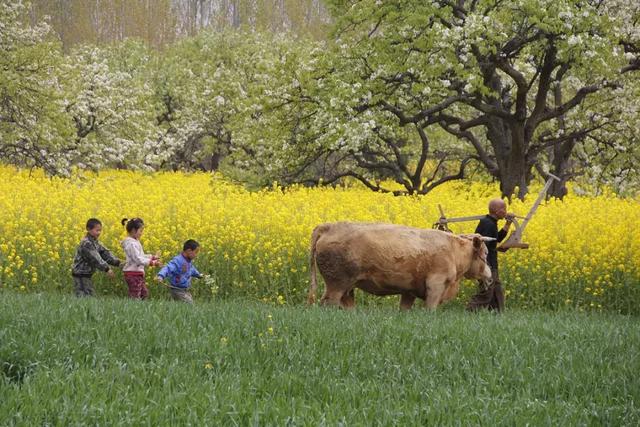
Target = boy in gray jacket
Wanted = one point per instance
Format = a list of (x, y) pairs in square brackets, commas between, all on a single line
[(91, 255)]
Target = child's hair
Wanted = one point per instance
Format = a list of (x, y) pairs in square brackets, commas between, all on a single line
[(92, 223), (190, 245), (132, 224)]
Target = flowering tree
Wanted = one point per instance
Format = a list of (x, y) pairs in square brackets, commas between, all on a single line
[(628, 32), (213, 91), (351, 110), (386, 88), (276, 127), (514, 72), (111, 105), (611, 155), (198, 86), (90, 109), (33, 126)]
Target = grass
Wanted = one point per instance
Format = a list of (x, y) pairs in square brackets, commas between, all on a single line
[(117, 362)]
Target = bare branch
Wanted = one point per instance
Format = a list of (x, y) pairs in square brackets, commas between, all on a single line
[(424, 153), (490, 109), (396, 151), (575, 101), (446, 123), (459, 175), (416, 118)]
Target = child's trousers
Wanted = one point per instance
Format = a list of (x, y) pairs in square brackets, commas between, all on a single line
[(137, 287), (181, 295), (83, 286)]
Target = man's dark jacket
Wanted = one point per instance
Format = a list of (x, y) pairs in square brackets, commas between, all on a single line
[(488, 226)]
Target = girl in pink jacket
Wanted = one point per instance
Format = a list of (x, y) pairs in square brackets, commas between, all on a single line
[(136, 259)]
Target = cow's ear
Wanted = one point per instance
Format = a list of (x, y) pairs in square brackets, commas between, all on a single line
[(477, 242)]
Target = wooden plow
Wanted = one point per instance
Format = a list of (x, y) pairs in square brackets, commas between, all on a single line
[(515, 238)]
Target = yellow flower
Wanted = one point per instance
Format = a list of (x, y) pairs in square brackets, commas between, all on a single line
[(255, 242)]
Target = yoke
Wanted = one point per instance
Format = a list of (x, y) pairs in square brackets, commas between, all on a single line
[(515, 238)]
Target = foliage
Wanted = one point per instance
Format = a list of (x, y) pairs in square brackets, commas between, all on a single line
[(237, 363), (510, 73), (33, 127), (413, 93), (108, 99), (609, 156), (210, 88), (255, 244), (279, 112), (356, 117)]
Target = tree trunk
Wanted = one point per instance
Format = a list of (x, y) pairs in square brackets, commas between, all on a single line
[(560, 155), (561, 168), (510, 148)]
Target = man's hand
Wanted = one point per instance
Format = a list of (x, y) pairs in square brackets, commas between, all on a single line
[(110, 273), (509, 220)]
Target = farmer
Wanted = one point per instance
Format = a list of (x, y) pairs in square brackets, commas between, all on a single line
[(490, 294)]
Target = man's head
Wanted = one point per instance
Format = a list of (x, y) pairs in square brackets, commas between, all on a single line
[(498, 208), (190, 249)]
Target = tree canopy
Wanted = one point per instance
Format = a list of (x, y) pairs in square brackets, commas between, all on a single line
[(401, 95)]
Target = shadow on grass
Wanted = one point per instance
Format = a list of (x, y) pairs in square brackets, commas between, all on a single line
[(15, 372)]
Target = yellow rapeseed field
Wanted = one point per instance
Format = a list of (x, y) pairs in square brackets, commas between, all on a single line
[(585, 251)]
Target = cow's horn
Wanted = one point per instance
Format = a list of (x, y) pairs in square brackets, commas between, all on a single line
[(488, 239)]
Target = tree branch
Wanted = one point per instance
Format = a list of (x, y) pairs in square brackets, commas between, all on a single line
[(459, 175), (575, 101), (418, 117), (489, 163)]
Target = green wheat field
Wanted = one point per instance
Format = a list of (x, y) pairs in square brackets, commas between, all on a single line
[(103, 361)]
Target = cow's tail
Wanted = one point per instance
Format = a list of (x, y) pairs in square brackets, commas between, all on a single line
[(317, 232)]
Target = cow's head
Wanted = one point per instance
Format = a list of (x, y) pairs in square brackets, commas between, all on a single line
[(479, 268)]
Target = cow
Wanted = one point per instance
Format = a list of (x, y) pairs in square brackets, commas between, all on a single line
[(389, 259)]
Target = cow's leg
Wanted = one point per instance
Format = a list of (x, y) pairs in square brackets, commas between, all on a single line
[(451, 291), (331, 297), (348, 299), (339, 273), (435, 290), (338, 294), (406, 301)]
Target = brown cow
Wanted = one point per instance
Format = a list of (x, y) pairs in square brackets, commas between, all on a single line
[(388, 259)]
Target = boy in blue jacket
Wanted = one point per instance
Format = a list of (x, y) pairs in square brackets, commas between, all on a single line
[(180, 270)]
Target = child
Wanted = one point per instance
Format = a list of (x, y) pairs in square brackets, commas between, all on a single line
[(180, 270), (91, 255), (136, 259)]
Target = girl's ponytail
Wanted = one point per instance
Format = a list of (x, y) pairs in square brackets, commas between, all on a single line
[(132, 224)]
